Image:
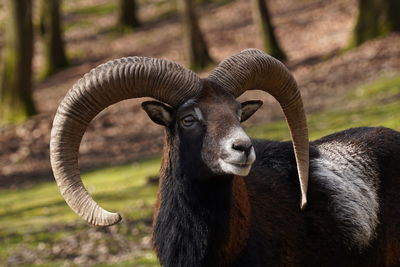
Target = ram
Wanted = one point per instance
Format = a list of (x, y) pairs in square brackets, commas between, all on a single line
[(227, 200)]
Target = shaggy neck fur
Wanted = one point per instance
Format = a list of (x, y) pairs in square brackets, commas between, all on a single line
[(195, 219)]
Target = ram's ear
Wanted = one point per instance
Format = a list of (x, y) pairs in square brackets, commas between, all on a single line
[(249, 108), (159, 112)]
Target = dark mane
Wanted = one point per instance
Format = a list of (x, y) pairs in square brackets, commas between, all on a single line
[(193, 217)]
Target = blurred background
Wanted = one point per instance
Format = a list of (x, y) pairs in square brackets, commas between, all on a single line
[(344, 54)]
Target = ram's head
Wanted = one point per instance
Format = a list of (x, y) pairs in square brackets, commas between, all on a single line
[(179, 88)]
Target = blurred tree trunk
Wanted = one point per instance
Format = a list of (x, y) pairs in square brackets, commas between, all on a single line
[(376, 18), (128, 14), (16, 102), (196, 46), (50, 30), (263, 18)]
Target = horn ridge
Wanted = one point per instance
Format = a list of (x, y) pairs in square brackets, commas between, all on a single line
[(109, 83)]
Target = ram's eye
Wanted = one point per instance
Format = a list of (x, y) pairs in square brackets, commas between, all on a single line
[(188, 120)]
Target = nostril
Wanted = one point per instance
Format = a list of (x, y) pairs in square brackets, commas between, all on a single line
[(242, 146)]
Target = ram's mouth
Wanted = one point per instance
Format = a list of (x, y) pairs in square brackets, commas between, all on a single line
[(241, 169), (240, 165)]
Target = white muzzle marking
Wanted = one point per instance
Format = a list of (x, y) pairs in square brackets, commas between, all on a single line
[(235, 161)]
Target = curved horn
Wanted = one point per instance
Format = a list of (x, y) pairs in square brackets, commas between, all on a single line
[(103, 86), (253, 69)]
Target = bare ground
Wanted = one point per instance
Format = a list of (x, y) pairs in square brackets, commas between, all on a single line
[(312, 33)]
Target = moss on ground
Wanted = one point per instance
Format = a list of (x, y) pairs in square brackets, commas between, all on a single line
[(29, 215), (148, 260), (97, 10), (373, 104), (325, 123), (384, 88)]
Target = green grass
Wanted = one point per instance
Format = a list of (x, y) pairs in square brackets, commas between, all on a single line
[(97, 10), (148, 260), (26, 214), (42, 204), (321, 124), (82, 21), (79, 23), (375, 104), (381, 89)]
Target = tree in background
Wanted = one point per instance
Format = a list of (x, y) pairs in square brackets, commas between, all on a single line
[(263, 19), (50, 30), (376, 18), (128, 14), (195, 44), (16, 102)]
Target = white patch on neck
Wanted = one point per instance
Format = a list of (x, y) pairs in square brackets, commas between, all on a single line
[(349, 177)]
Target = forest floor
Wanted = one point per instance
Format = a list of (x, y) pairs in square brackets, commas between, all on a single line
[(312, 32), (340, 90)]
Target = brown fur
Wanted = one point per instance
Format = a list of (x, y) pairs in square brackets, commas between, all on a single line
[(392, 256), (239, 223)]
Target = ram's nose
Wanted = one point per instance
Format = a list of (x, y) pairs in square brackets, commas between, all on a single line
[(242, 146)]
